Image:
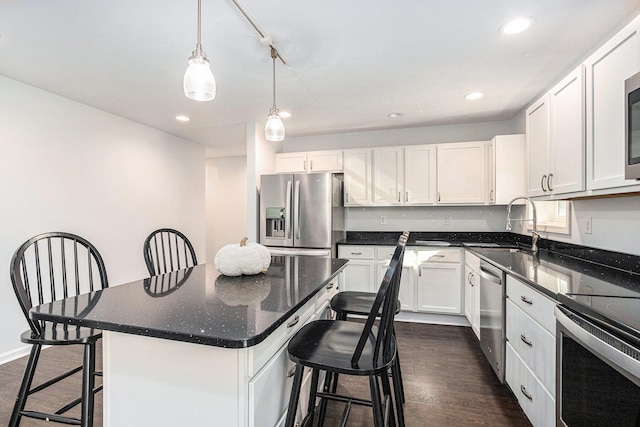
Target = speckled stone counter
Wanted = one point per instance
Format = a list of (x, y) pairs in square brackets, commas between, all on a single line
[(199, 305)]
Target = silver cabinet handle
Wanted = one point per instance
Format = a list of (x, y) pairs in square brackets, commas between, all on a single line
[(523, 389), (305, 165), (310, 165), (346, 196), (491, 195), (469, 279), (525, 340), (330, 286), (438, 196), (526, 300), (542, 181), (356, 253), (549, 181), (291, 372), (406, 196), (398, 196), (293, 322)]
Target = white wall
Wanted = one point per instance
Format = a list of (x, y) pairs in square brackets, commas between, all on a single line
[(226, 202), (69, 167)]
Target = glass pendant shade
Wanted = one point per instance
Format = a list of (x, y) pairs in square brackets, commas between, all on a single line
[(199, 83), (274, 129)]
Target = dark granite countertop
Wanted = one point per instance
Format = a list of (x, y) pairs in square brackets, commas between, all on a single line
[(421, 238), (199, 305)]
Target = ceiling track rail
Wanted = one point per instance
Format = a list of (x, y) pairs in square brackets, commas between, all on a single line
[(265, 37)]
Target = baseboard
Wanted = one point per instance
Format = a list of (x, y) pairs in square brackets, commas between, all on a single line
[(14, 354), (438, 319)]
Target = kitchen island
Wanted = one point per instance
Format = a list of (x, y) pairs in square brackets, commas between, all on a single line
[(196, 348)]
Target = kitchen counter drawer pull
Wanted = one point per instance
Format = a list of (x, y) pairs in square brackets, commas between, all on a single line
[(526, 300), (356, 253), (523, 389), (526, 341), (330, 286), (291, 372), (293, 322)]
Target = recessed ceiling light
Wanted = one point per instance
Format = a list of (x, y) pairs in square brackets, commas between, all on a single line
[(394, 115), (285, 114), (182, 118), (516, 26), (473, 96)]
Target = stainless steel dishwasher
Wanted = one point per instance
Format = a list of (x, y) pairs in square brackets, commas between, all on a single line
[(492, 334)]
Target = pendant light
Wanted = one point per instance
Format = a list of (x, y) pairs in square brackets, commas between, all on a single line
[(274, 129), (199, 83)]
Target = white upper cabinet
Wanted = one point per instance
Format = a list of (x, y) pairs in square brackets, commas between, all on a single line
[(314, 161), (357, 178), (325, 161), (388, 176), (506, 166), (462, 174), (538, 139), (567, 155), (291, 162), (404, 175), (420, 175), (606, 71), (555, 139)]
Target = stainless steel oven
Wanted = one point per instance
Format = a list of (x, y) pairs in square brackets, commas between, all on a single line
[(598, 368)]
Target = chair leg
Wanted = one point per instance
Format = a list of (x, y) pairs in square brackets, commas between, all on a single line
[(295, 396), (88, 383), (398, 392), (399, 382), (334, 386), (25, 386), (323, 402), (311, 407), (389, 413), (378, 413)]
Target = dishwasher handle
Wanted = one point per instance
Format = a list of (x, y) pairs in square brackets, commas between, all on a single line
[(490, 276)]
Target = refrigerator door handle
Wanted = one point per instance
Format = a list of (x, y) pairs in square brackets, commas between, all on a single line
[(296, 204), (287, 217)]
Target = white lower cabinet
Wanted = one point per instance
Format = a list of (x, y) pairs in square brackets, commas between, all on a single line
[(531, 351), (407, 280), (439, 284), (536, 402), (472, 291), (359, 274)]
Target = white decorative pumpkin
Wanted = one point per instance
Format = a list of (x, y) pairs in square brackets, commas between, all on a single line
[(244, 258)]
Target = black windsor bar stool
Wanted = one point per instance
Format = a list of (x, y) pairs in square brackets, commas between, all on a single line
[(350, 348), (359, 303), (46, 268), (168, 250)]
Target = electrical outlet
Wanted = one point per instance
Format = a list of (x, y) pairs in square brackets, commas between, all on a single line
[(383, 220), (587, 225)]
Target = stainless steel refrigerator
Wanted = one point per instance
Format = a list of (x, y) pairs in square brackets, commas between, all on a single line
[(301, 213)]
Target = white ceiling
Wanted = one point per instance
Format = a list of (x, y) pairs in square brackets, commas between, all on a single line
[(350, 63)]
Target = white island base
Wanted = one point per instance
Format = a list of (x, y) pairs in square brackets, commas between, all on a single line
[(163, 383)]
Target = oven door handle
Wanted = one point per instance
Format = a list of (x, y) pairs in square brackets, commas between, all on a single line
[(627, 365)]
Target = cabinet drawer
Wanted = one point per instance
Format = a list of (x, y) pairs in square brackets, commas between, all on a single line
[(532, 302), (385, 252), (535, 401), (327, 293), (534, 344), (259, 355), (356, 252)]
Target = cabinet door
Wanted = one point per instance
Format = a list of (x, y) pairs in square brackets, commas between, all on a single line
[(507, 168), (472, 299), (538, 138), (406, 294), (420, 175), (439, 288), (291, 162), (359, 275), (462, 177), (606, 71), (567, 135), (325, 161), (357, 178), (388, 176), (468, 294)]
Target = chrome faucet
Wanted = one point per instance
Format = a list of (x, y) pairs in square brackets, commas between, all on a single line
[(534, 235)]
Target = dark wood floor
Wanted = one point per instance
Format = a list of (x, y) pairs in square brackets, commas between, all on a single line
[(448, 382)]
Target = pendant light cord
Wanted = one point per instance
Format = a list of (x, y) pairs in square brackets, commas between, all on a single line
[(199, 43), (274, 55)]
